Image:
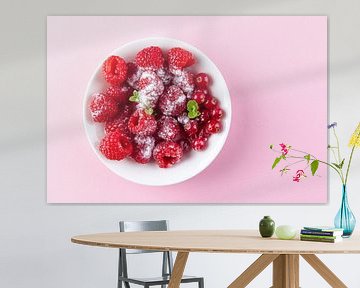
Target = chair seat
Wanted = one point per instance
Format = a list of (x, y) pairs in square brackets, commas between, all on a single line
[(158, 280)]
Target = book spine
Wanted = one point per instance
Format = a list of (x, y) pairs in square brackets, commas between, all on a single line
[(317, 239), (318, 236), (319, 233)]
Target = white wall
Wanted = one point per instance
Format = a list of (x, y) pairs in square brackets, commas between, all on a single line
[(35, 248)]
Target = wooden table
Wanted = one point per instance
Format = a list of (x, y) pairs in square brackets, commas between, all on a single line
[(284, 254)]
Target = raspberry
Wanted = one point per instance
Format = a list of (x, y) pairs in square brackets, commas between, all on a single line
[(183, 118), (115, 146), (150, 58), (167, 153), (120, 93), (202, 80), (150, 83), (151, 87), (172, 102), (134, 73), (175, 71), (103, 107), (217, 113), (115, 70), (199, 96), (142, 123), (180, 58), (185, 81), (143, 148), (120, 121), (213, 126), (191, 128), (165, 75), (211, 103), (199, 144), (185, 145), (168, 128)]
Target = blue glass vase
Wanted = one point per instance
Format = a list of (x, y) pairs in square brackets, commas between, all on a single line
[(345, 219)]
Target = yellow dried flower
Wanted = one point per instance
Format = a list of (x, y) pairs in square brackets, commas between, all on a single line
[(355, 137)]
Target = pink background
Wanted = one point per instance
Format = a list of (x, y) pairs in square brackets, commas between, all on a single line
[(276, 71)]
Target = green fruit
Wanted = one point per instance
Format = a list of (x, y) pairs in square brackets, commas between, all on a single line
[(285, 232)]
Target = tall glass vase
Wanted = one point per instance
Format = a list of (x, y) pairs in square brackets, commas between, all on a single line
[(345, 219)]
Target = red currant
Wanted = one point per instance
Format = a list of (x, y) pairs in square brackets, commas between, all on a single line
[(199, 144), (213, 126), (191, 127), (201, 80), (204, 116), (199, 96), (211, 103), (217, 113), (204, 134)]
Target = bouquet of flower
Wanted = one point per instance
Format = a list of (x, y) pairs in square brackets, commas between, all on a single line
[(294, 157)]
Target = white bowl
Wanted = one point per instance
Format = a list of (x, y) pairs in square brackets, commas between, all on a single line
[(195, 162)]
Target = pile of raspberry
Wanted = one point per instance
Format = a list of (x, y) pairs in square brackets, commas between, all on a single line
[(155, 109)]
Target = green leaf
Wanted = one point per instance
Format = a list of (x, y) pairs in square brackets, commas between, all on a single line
[(336, 165), (135, 97), (307, 157), (271, 146), (342, 163), (276, 161), (193, 109), (314, 166), (192, 105), (193, 114), (149, 111)]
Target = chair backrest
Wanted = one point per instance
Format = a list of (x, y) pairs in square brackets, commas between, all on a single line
[(137, 226)]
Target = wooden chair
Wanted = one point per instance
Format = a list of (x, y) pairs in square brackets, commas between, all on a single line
[(167, 262)]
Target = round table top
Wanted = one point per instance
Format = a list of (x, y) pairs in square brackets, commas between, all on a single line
[(217, 241)]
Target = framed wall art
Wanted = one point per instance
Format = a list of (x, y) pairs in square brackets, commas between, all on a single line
[(164, 109)]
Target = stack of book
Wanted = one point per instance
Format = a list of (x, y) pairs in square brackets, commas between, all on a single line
[(321, 234)]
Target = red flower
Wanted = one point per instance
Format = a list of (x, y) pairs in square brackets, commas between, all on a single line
[(299, 174), (284, 149)]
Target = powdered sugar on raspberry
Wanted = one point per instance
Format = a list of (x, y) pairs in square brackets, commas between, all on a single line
[(175, 71), (168, 128), (165, 75), (183, 118), (134, 74), (173, 101), (151, 87), (185, 80), (144, 145)]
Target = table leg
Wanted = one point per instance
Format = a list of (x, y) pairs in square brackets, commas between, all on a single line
[(286, 271), (178, 269), (253, 270), (324, 271)]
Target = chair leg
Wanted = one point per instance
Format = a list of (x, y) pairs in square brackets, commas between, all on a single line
[(201, 283)]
